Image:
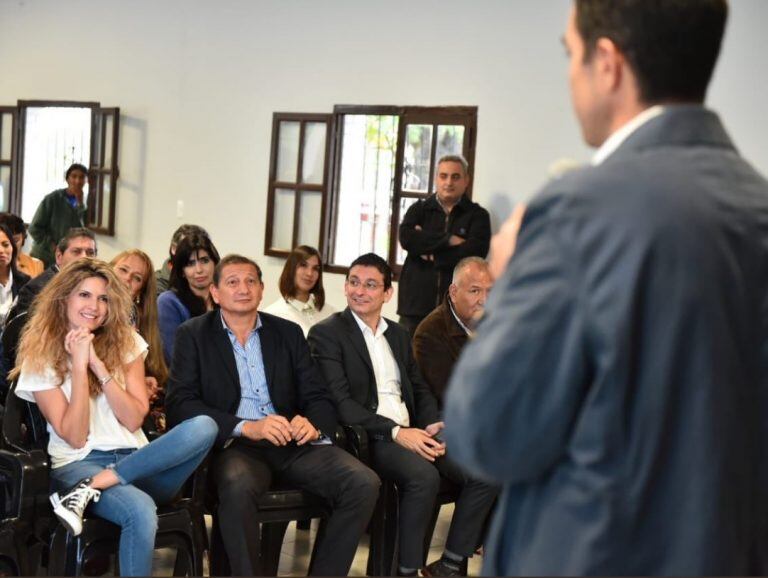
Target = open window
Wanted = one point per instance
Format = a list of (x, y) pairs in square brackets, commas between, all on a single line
[(39, 139), (377, 161)]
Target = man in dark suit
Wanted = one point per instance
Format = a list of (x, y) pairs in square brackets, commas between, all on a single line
[(438, 232), (439, 339), (618, 382), (369, 367), (252, 373)]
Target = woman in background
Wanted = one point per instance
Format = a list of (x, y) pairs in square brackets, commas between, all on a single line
[(24, 263), (11, 279), (301, 287), (134, 268), (190, 283)]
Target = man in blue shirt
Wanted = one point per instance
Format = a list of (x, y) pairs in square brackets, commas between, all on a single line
[(252, 373)]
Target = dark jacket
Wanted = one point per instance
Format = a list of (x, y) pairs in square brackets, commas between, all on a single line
[(17, 316), (618, 382), (53, 218), (20, 280), (423, 283), (339, 349), (437, 343), (204, 378)]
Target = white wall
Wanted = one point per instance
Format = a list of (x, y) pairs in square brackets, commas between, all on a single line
[(197, 83)]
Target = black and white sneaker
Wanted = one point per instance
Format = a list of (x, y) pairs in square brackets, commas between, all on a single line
[(69, 508)]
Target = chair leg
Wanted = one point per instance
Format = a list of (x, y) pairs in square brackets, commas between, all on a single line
[(382, 557), (272, 535), (218, 556)]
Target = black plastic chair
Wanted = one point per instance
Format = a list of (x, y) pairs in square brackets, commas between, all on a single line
[(179, 524)]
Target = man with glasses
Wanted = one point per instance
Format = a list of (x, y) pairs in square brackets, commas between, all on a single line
[(370, 370)]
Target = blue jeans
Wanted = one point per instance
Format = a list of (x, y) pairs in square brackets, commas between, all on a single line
[(148, 476)]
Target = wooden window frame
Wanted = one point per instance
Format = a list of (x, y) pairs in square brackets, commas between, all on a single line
[(298, 187), (98, 172), (407, 115)]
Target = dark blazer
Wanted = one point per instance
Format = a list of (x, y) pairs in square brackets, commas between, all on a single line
[(423, 283), (17, 317), (339, 349), (204, 378), (437, 343), (618, 383)]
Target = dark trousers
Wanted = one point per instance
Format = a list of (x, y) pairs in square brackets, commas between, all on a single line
[(418, 482), (243, 471), (471, 509)]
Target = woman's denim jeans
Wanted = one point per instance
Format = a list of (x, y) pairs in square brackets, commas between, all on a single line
[(148, 476)]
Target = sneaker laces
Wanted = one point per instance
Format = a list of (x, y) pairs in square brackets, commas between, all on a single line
[(79, 498)]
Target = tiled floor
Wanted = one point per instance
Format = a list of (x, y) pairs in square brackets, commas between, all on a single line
[(297, 548)]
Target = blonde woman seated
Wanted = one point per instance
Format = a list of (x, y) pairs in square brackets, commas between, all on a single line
[(82, 362), (301, 287), (135, 270)]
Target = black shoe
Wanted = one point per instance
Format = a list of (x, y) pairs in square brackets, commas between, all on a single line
[(441, 568), (69, 508)]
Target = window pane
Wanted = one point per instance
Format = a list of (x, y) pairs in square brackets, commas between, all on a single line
[(450, 141), (365, 186), (314, 153), (282, 220), (309, 218), (405, 203), (6, 136), (55, 137), (5, 187), (109, 126), (288, 152), (418, 146), (105, 201), (93, 204)]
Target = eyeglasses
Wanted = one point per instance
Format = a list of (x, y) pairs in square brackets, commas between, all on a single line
[(369, 285)]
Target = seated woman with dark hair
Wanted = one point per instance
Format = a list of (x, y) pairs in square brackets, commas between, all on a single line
[(190, 283), (11, 279), (134, 268), (301, 287), (82, 362), (24, 263)]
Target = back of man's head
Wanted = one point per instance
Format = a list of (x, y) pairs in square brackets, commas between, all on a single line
[(671, 45)]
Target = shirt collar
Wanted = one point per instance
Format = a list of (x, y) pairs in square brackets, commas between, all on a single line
[(300, 305), (232, 333), (466, 329), (619, 136), (380, 328)]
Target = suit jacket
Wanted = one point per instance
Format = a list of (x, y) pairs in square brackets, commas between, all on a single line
[(338, 346), (437, 343), (618, 383), (204, 378)]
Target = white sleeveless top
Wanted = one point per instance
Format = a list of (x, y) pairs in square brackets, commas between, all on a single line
[(105, 432)]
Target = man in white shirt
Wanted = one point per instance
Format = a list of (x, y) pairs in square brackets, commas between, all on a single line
[(617, 385), (371, 372)]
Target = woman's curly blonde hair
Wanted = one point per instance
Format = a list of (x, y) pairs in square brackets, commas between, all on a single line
[(42, 341)]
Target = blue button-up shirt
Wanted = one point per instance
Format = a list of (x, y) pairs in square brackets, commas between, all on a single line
[(255, 402)]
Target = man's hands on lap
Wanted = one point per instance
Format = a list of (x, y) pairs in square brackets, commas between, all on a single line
[(420, 442), (277, 430)]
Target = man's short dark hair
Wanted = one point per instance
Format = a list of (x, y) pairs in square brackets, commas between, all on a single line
[(76, 167), (234, 260), (373, 260), (14, 223), (187, 230), (671, 45), (74, 233)]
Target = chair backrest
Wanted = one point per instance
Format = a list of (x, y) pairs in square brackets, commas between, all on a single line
[(24, 427)]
